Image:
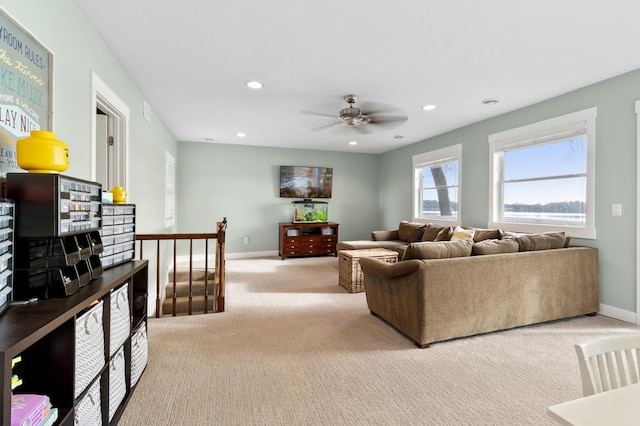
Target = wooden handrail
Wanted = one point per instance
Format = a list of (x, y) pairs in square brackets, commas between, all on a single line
[(219, 266)]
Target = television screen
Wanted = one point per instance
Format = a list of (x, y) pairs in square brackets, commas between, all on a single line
[(305, 182)]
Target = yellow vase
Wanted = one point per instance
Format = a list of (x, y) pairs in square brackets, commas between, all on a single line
[(41, 152)]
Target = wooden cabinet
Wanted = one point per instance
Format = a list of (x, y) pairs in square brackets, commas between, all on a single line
[(44, 335), (308, 239)]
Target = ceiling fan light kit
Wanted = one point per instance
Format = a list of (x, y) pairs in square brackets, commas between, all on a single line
[(372, 117), (353, 116)]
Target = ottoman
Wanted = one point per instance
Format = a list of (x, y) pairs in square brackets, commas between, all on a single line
[(350, 273)]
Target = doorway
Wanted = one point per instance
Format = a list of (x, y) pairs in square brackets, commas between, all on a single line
[(638, 215), (109, 137)]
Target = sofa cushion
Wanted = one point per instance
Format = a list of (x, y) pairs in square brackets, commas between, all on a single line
[(367, 244), (433, 232), (460, 234), (481, 234), (544, 241), (410, 231), (438, 250), (384, 235), (511, 234), (495, 247)]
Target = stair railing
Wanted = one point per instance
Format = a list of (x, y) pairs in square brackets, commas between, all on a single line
[(219, 272)]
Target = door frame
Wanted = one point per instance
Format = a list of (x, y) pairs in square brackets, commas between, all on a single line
[(637, 210), (105, 99)]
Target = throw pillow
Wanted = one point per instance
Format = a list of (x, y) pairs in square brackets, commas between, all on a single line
[(460, 233), (481, 234), (438, 250), (545, 241), (432, 231), (495, 247), (410, 231), (445, 234)]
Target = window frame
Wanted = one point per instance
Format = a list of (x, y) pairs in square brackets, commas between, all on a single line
[(428, 159), (537, 134)]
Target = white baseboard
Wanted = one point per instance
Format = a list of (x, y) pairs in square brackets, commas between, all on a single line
[(617, 313), (251, 254), (199, 258)]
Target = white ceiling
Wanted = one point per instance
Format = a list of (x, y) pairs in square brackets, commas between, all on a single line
[(192, 59)]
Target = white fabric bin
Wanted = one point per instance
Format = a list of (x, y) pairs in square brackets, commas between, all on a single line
[(89, 347), (120, 324), (87, 411), (139, 353), (117, 382)]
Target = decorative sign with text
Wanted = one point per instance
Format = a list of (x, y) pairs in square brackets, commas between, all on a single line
[(25, 89)]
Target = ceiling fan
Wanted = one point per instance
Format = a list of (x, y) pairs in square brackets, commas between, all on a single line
[(362, 119)]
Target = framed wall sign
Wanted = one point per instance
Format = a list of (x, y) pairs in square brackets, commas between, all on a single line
[(26, 70)]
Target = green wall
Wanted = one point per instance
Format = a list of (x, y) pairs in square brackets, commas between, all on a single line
[(78, 50), (374, 191), (240, 183), (615, 175)]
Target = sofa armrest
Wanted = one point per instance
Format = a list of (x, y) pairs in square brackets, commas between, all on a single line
[(395, 293), (384, 235), (385, 270)]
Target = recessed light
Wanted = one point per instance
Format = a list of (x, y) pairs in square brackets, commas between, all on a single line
[(254, 84), (429, 107), (491, 101), (241, 135), (353, 143)]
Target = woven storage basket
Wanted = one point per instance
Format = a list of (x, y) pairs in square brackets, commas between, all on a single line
[(89, 347), (139, 353), (117, 382), (120, 318), (88, 411), (349, 271)]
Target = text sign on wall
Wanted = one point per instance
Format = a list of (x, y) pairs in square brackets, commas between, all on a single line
[(25, 90)]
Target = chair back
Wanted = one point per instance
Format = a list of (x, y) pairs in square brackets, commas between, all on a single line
[(608, 363)]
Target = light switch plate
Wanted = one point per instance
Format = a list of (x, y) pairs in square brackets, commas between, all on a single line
[(616, 209)]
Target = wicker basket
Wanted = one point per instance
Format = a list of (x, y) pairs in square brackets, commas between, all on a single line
[(120, 318), (117, 382), (350, 273), (88, 411), (139, 353), (89, 347)]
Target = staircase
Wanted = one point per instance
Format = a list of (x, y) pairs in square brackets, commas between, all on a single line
[(191, 289), (197, 299)]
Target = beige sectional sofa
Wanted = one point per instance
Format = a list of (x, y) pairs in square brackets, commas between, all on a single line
[(412, 232), (446, 289)]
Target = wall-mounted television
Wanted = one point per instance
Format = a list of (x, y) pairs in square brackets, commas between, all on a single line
[(305, 182)]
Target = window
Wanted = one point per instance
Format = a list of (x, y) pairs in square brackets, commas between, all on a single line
[(436, 185), (543, 176)]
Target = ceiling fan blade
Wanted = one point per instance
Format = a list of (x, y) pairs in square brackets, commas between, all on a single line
[(373, 108), (383, 119), (363, 129), (326, 126), (319, 114)]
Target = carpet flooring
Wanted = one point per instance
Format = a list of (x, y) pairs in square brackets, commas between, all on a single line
[(294, 348)]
